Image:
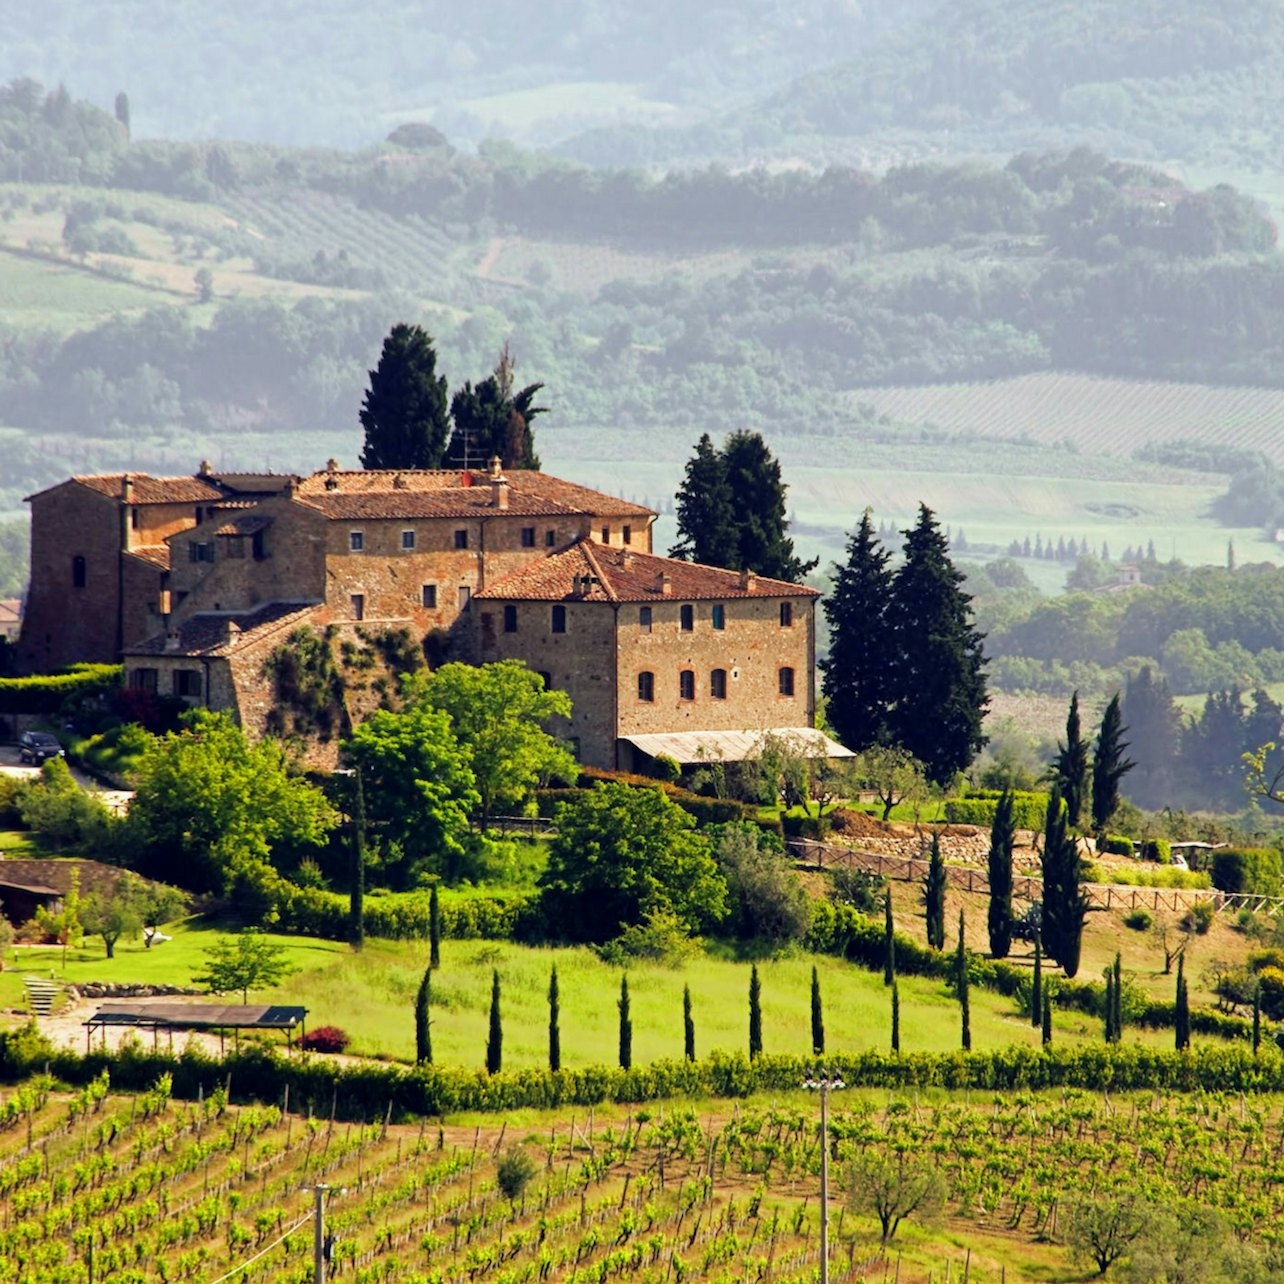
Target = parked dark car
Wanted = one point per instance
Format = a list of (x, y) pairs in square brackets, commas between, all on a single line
[(36, 747)]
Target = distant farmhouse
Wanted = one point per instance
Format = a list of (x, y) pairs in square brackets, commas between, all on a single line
[(195, 582)]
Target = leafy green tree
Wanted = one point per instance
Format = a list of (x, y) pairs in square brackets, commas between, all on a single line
[(817, 1015), (419, 788), (893, 1185), (706, 510), (755, 1014), (404, 413), (962, 983), (626, 1026), (434, 927), (497, 713), (856, 673), (938, 688), (554, 1023), (1101, 1227), (66, 926), (216, 809), (767, 898), (1070, 770), (895, 775), (889, 942), (494, 421), (127, 909), (622, 853), (1065, 906), (54, 806), (1109, 766), (495, 1029), (688, 1026), (934, 896), (423, 1022), (247, 961), (514, 1172), (1002, 841)]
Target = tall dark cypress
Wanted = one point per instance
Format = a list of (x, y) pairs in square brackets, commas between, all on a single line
[(1109, 766), (889, 941), (1181, 1015), (857, 671), (934, 896), (706, 511), (1002, 841), (1070, 770), (963, 984), (1036, 985), (357, 886), (938, 671), (755, 1015), (1257, 1018), (423, 1023), (554, 1022), (1108, 1007), (896, 1017), (1116, 1016), (404, 414), (688, 1026), (817, 1015), (1046, 1019), (1064, 904), (434, 928), (626, 1026), (495, 1035)]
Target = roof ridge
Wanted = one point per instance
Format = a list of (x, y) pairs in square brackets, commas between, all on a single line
[(603, 579)]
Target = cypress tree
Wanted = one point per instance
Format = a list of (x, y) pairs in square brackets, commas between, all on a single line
[(688, 1025), (626, 1026), (758, 496), (1181, 1016), (1036, 986), (934, 896), (817, 1015), (1070, 770), (896, 1018), (1046, 1021), (495, 1036), (434, 928), (554, 1022), (1109, 766), (706, 510), (404, 414), (1116, 1015), (962, 981), (357, 884), (755, 1015), (938, 692), (857, 670), (1064, 904), (423, 1032), (1257, 1018), (889, 942), (1002, 840), (1108, 1007)]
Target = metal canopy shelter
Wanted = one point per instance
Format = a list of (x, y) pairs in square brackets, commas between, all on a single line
[(689, 747), (196, 1016)]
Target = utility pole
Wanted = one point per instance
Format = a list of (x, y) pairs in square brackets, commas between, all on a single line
[(823, 1084), (318, 1233)]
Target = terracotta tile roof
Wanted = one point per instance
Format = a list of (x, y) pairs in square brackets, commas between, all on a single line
[(154, 554), (590, 572), (451, 493), (155, 490), (246, 525), (207, 635)]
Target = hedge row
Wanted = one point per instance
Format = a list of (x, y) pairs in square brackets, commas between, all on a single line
[(46, 692), (977, 807), (365, 1092), (707, 811), (402, 916), (1247, 869)]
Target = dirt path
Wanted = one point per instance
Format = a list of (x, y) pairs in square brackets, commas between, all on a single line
[(490, 258)]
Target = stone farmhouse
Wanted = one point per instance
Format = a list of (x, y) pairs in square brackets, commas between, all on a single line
[(194, 582)]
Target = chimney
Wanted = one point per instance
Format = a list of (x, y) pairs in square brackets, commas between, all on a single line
[(332, 465), (666, 584), (400, 483), (231, 631), (626, 559), (498, 485), (206, 469), (171, 640), (496, 467), (748, 581), (127, 489)]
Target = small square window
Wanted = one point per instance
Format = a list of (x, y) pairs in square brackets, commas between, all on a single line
[(408, 541), (646, 687), (133, 519), (550, 538), (719, 617), (430, 596), (686, 617), (358, 601), (686, 685), (606, 534), (78, 569), (786, 682), (187, 682), (528, 537), (546, 679), (559, 619), (461, 539), (786, 615), (510, 619), (644, 618), (626, 535), (356, 541), (236, 546)]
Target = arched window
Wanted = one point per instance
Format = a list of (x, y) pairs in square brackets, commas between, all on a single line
[(646, 686), (786, 682), (686, 685), (718, 684), (78, 571)]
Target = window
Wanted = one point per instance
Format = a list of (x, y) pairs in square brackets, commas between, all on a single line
[(719, 617), (644, 618), (461, 539), (786, 615), (236, 546), (546, 679), (550, 538), (259, 548), (199, 551), (407, 541), (187, 682), (718, 684), (686, 685), (356, 541), (646, 687), (528, 537), (626, 535), (430, 596), (465, 596), (133, 519), (686, 616), (510, 619), (786, 682), (78, 571), (606, 534), (559, 619), (143, 680), (358, 601)]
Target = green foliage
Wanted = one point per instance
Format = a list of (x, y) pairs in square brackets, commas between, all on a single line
[(934, 886), (755, 1014), (404, 916), (979, 806), (554, 1024), (621, 853), (892, 1187), (817, 1016), (423, 1020), (309, 687), (895, 774), (660, 938), (999, 915), (1158, 850), (404, 413), (1247, 869), (434, 927), (46, 693), (889, 942), (1139, 920), (1116, 845), (688, 1026), (1064, 904), (63, 814), (514, 1172), (1070, 769), (1109, 766), (243, 962), (626, 1025), (962, 981), (130, 907), (1101, 1228), (767, 898), (1181, 1017), (495, 1030), (493, 421)]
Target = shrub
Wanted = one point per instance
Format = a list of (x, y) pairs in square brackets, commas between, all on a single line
[(1139, 920), (667, 769), (1157, 850), (325, 1038), (977, 807), (1116, 845), (768, 901), (1199, 918), (859, 888), (46, 693), (516, 1171), (1247, 869), (660, 938)]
